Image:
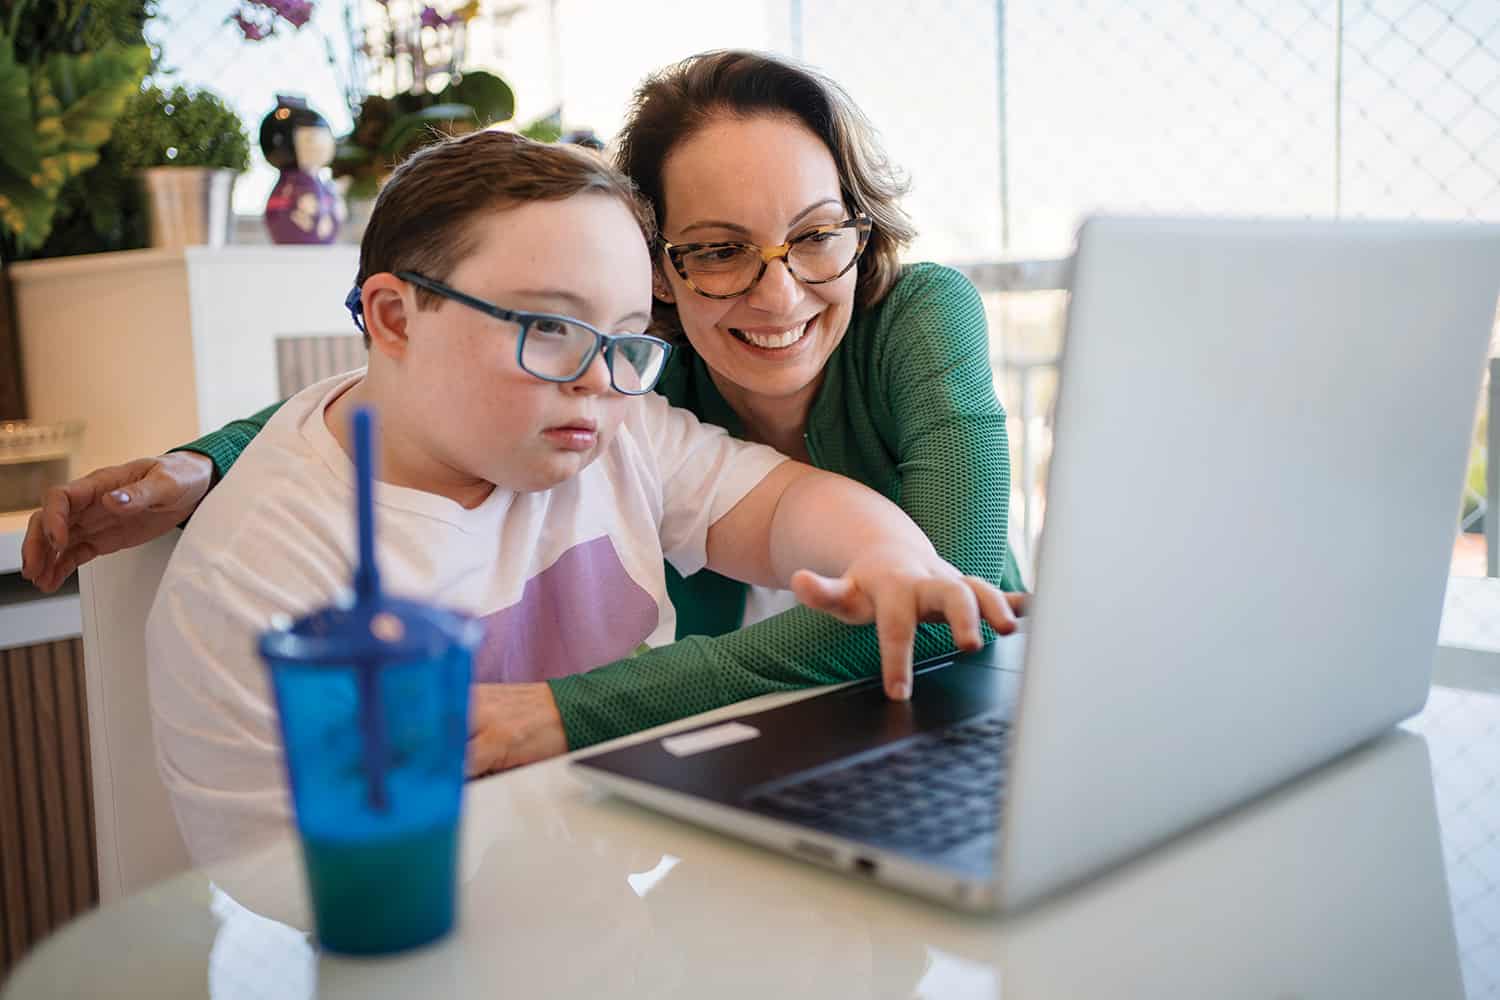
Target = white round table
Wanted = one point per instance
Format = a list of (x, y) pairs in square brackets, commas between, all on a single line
[(1332, 887)]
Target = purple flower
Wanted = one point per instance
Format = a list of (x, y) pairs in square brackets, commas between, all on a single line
[(432, 19), (297, 12), (253, 32), (294, 12)]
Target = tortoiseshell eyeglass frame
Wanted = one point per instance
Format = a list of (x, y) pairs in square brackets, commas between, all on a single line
[(676, 252)]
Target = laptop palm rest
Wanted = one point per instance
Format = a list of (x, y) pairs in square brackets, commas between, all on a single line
[(833, 726)]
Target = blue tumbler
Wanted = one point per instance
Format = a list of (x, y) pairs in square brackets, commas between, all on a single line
[(373, 697)]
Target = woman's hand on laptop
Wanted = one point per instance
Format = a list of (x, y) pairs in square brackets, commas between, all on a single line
[(896, 587), (511, 725), (111, 509)]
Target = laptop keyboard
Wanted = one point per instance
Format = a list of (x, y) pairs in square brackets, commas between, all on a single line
[(928, 794)]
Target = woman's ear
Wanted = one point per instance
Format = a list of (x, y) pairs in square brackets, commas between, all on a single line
[(388, 302), (661, 289)]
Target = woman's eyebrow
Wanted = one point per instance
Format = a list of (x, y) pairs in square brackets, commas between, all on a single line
[(736, 228), (809, 210), (716, 224)]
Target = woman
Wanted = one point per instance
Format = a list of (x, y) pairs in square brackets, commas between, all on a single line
[(778, 276)]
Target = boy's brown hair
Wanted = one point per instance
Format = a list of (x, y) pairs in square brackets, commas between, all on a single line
[(422, 218)]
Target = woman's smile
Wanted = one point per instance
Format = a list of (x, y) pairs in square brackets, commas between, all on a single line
[(772, 338)]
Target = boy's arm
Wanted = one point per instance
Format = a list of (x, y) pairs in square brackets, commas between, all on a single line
[(797, 517), (245, 562), (800, 528), (215, 732)]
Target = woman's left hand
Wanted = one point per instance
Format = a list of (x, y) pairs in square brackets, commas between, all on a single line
[(896, 588), (511, 725)]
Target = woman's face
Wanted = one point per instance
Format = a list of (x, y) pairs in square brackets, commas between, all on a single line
[(762, 180)]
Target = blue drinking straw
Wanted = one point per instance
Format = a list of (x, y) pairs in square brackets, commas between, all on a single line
[(366, 603)]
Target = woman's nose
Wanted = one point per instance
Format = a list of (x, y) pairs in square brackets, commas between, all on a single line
[(777, 290)]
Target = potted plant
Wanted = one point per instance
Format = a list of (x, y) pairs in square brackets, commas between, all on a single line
[(59, 102), (415, 55), (66, 71), (388, 129), (188, 147)]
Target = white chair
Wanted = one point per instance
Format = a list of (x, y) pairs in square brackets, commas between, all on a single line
[(137, 838)]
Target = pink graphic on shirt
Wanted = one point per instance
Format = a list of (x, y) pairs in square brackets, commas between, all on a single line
[(583, 611)]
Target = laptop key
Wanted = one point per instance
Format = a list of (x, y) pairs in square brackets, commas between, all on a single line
[(927, 794)]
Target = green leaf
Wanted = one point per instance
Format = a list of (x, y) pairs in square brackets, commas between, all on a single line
[(350, 154), (363, 186), (412, 129), (66, 112), (490, 97), (105, 81), (197, 124), (26, 213), (544, 129), (18, 152), (48, 131)]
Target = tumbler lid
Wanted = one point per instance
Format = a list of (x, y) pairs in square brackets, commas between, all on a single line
[(385, 630)]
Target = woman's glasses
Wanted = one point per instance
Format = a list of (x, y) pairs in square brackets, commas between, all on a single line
[(724, 270)]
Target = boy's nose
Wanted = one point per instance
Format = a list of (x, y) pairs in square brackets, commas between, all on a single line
[(594, 380)]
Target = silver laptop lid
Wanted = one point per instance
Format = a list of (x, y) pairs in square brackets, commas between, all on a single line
[(1262, 432)]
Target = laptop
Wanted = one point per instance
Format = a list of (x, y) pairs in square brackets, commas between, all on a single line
[(1262, 430)]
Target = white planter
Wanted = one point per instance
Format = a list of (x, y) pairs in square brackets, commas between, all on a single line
[(189, 206)]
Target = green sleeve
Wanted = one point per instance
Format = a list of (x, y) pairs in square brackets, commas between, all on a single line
[(955, 472), (794, 649), (227, 443), (949, 428)]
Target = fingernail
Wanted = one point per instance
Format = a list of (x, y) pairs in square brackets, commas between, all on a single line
[(900, 691), (120, 496)]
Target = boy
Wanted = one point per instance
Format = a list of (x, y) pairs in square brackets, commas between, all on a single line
[(523, 480)]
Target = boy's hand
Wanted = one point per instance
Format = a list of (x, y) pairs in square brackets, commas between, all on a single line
[(896, 588), (111, 509), (511, 725)]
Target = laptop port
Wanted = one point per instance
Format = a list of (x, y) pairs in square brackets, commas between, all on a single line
[(866, 867), (815, 851)]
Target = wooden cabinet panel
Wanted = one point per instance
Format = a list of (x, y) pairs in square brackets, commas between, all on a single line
[(48, 871)]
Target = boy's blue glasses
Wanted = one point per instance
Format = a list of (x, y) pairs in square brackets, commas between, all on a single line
[(558, 348)]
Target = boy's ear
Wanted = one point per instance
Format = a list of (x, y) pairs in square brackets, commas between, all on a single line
[(387, 302)]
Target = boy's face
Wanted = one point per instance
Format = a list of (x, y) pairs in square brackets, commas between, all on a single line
[(480, 414)]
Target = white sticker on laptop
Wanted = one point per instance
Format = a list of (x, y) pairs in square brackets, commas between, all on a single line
[(708, 739)]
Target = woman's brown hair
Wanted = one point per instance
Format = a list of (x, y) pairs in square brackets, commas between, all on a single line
[(675, 103)]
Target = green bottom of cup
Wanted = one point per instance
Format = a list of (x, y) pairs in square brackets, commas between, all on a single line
[(377, 897)]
